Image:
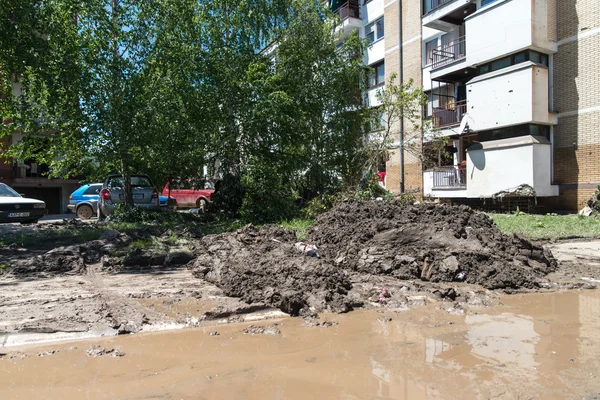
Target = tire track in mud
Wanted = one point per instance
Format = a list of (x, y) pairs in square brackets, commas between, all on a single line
[(119, 312)]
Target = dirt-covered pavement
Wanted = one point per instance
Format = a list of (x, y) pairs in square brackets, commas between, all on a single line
[(371, 255)]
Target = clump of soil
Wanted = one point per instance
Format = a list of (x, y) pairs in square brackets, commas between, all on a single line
[(261, 330), (263, 266), (99, 351), (437, 243)]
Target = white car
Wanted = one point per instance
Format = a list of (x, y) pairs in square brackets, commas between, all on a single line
[(15, 208)]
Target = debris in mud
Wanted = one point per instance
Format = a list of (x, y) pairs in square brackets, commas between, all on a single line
[(214, 333), (47, 353), (437, 243), (261, 330), (455, 309), (313, 322), (263, 266), (98, 351), (384, 319), (309, 249), (445, 294)]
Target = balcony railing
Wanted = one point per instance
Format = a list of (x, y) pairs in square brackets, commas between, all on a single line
[(450, 115), (350, 9), (448, 53), (449, 177)]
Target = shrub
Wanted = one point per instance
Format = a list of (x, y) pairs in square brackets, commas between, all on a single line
[(266, 197), (124, 213), (228, 196)]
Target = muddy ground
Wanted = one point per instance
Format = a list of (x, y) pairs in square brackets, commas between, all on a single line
[(531, 346), (148, 280)]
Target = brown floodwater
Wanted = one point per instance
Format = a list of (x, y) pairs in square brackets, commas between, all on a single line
[(537, 346)]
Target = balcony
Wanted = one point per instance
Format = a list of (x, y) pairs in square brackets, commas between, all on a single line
[(505, 27), (510, 96), (449, 53), (496, 167), (449, 177), (449, 115), (349, 13), (445, 15)]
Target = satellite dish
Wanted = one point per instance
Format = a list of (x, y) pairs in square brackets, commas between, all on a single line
[(464, 124)]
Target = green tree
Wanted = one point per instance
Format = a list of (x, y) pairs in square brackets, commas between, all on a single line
[(399, 114)]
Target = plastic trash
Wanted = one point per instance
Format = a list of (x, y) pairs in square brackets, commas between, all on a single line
[(310, 250)]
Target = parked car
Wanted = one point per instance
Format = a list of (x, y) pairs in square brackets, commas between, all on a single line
[(189, 193), (16, 208), (84, 201), (113, 193)]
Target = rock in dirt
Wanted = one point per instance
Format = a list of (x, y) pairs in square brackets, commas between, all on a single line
[(98, 351), (438, 243), (313, 322), (263, 266), (262, 330)]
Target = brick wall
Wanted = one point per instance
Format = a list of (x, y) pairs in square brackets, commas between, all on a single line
[(411, 57), (576, 88)]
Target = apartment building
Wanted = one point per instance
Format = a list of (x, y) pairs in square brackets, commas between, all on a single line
[(29, 177), (511, 87)]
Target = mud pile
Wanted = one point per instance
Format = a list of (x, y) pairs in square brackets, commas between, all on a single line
[(428, 242), (263, 266)]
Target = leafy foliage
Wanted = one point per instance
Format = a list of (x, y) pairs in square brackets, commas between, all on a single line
[(128, 214)]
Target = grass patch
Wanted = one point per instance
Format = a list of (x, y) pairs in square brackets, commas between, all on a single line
[(300, 225), (56, 237), (550, 226)]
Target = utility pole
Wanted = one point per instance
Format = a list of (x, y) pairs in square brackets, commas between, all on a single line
[(401, 76)]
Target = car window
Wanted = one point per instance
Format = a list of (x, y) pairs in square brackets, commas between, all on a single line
[(7, 191), (115, 182), (140, 181), (136, 181), (95, 189)]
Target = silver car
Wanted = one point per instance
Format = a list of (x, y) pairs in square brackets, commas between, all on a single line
[(112, 194)]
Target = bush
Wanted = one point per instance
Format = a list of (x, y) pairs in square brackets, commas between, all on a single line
[(228, 196), (371, 189), (266, 197), (128, 214), (594, 201), (319, 205)]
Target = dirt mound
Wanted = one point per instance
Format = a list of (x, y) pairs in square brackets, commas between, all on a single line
[(263, 266), (429, 242)]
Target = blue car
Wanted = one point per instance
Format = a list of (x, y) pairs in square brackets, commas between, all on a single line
[(84, 201)]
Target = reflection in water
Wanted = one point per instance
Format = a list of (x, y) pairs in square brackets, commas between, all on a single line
[(504, 338), (434, 348), (536, 346)]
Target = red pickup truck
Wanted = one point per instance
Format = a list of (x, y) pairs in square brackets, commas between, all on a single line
[(189, 193)]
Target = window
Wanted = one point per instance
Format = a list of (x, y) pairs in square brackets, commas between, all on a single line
[(486, 2), (515, 131), (376, 76), (374, 31), (517, 58), (429, 47), (92, 190), (378, 122)]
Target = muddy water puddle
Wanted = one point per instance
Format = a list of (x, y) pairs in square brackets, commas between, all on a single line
[(544, 346)]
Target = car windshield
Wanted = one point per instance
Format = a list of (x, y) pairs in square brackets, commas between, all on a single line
[(6, 191), (136, 181)]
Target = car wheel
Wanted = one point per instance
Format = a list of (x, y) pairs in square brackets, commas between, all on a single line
[(84, 211), (202, 204)]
